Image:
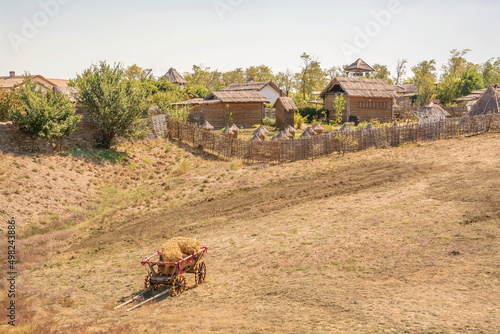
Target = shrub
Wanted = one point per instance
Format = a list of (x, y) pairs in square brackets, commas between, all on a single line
[(269, 122)]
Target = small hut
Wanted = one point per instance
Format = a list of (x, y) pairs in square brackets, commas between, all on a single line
[(207, 126), (229, 133), (174, 77), (431, 113), (359, 68), (261, 132), (318, 128), (488, 103), (285, 111), (311, 131), (305, 134), (291, 130), (256, 138)]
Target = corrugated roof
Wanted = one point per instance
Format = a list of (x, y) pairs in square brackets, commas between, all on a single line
[(362, 87)]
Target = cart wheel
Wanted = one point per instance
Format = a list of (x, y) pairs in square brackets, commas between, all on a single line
[(178, 285), (200, 274), (148, 284)]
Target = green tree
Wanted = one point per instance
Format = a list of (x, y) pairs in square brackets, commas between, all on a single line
[(237, 75), (339, 105), (50, 115), (114, 101), (311, 76), (259, 73), (381, 72), (336, 72), (491, 72), (425, 79), (203, 76), (8, 101), (470, 80), (284, 80)]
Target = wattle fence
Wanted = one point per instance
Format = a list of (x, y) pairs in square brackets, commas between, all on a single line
[(340, 141)]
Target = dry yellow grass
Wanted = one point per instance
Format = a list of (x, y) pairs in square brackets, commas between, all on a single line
[(397, 240)]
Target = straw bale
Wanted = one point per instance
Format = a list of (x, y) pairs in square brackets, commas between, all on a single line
[(171, 252), (187, 246)]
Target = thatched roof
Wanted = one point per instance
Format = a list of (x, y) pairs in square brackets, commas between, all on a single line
[(207, 126), (317, 127), (305, 134), (234, 128), (256, 138), (287, 103), (471, 97), (488, 103), (251, 86), (360, 87), (291, 129), (408, 89), (311, 131), (174, 77), (261, 129), (237, 96), (432, 110), (359, 66)]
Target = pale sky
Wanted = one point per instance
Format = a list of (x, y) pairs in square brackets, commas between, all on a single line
[(60, 38)]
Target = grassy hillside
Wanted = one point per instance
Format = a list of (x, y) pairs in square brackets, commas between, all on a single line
[(397, 240)]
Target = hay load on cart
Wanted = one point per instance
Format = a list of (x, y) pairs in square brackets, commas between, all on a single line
[(178, 256)]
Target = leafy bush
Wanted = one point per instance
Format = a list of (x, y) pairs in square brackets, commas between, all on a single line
[(298, 120), (269, 122), (49, 115), (312, 113)]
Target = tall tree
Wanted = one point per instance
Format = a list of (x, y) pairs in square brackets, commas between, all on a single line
[(50, 115), (425, 79), (336, 71), (311, 76), (491, 71), (237, 75), (284, 80), (259, 73), (400, 70), (381, 72), (115, 102), (205, 77)]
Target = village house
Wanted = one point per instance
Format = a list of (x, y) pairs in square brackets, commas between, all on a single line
[(359, 69), (243, 108), (365, 98), (407, 95), (12, 81), (174, 77), (471, 99), (285, 111), (268, 89)]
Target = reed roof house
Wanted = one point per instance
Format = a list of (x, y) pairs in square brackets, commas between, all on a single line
[(174, 77), (243, 108), (489, 103), (365, 98), (266, 88)]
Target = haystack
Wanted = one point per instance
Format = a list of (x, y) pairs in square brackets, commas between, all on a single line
[(171, 252), (178, 248), (188, 246)]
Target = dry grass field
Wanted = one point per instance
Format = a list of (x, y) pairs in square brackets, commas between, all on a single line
[(399, 240)]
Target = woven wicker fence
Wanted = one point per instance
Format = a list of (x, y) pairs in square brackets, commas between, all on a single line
[(338, 141)]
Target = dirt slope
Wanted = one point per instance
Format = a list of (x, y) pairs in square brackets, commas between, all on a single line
[(383, 241)]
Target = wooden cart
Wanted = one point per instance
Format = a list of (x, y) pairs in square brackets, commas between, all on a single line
[(172, 273)]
